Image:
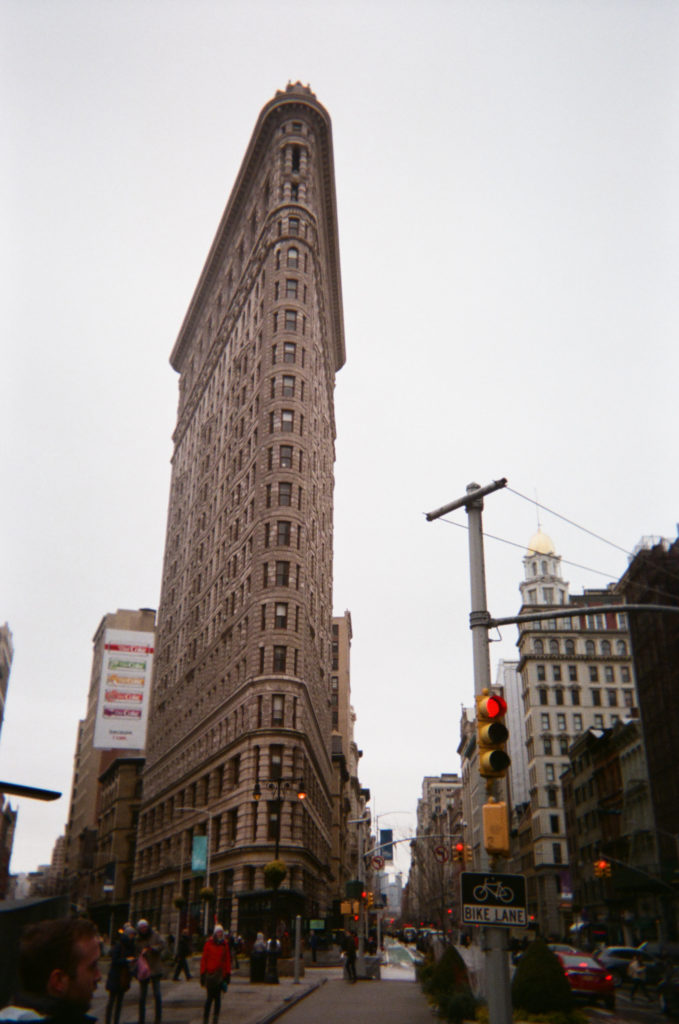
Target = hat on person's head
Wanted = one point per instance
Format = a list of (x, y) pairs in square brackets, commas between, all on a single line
[(130, 930), (142, 923), (219, 930)]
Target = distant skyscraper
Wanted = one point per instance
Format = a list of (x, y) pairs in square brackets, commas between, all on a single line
[(90, 761), (242, 684)]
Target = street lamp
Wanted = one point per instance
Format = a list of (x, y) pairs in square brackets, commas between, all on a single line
[(208, 833), (278, 787)]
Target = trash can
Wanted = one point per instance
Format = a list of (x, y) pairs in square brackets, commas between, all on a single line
[(257, 966)]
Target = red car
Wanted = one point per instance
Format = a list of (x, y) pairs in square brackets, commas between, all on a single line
[(588, 979)]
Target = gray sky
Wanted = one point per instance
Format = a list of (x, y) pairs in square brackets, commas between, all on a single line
[(509, 223)]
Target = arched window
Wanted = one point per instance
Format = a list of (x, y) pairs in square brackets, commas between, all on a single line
[(589, 647), (543, 567), (606, 647), (538, 647), (293, 257), (621, 647), (570, 647), (553, 646)]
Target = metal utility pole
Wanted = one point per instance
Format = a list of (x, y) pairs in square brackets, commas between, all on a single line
[(498, 986)]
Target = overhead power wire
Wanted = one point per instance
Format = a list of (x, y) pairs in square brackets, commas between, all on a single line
[(514, 544), (571, 522)]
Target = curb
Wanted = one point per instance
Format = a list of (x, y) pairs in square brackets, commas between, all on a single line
[(290, 1002)]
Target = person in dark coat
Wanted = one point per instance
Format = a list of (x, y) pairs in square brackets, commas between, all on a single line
[(183, 952), (149, 946), (58, 973), (349, 950), (123, 956)]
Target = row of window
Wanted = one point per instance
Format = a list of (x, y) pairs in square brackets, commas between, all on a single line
[(592, 670), (546, 723), (569, 647), (594, 695)]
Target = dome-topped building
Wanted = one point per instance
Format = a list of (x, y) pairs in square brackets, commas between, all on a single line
[(542, 571)]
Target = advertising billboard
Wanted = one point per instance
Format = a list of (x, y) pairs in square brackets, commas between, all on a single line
[(124, 690)]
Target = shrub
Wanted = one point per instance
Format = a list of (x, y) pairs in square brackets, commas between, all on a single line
[(274, 873), (540, 985), (447, 985)]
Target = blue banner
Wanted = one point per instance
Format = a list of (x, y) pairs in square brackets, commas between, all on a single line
[(386, 840), (199, 854)]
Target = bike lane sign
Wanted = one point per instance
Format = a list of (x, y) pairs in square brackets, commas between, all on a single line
[(495, 900)]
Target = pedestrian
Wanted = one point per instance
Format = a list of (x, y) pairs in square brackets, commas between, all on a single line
[(181, 958), (58, 973), (233, 949), (149, 968), (637, 972), (258, 960), (349, 950), (123, 956), (215, 972)]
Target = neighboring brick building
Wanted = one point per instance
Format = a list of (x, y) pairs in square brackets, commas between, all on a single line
[(242, 683), (576, 672)]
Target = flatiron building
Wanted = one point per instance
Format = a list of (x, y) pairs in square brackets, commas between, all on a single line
[(242, 696)]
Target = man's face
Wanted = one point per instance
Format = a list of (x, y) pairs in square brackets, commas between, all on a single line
[(80, 989)]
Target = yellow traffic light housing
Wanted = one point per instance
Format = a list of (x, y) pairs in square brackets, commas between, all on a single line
[(492, 735), (496, 828)]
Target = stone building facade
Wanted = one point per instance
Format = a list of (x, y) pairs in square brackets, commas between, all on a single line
[(577, 674), (242, 684)]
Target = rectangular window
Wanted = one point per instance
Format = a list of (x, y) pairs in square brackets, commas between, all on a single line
[(291, 319), (577, 723), (549, 772), (593, 673), (541, 673), (281, 617), (285, 456), (544, 722), (558, 693), (554, 823), (284, 493), (612, 698), (573, 673), (279, 658), (287, 420), (282, 574), (628, 698), (289, 352), (291, 286), (556, 673), (277, 709), (575, 696), (283, 533), (596, 698), (293, 225), (272, 821), (288, 388), (547, 745), (609, 675), (624, 673), (561, 722), (556, 852), (598, 721), (563, 744)]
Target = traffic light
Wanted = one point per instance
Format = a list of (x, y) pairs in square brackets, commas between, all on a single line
[(492, 735), (371, 899), (602, 868), (496, 828), (458, 852)]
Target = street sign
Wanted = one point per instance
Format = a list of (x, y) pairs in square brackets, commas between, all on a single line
[(495, 900), (378, 863)]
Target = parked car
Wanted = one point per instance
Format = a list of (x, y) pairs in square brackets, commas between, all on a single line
[(616, 959), (562, 947), (588, 979), (661, 950)]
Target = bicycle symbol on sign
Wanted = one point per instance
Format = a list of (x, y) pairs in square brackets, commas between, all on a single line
[(493, 891)]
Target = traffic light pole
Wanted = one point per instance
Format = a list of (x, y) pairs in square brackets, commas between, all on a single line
[(498, 986)]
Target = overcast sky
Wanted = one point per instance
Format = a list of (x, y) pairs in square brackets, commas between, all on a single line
[(509, 233)]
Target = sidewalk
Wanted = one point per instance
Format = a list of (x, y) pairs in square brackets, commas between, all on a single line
[(243, 1003)]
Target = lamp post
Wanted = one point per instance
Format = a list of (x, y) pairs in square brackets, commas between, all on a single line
[(208, 834), (278, 787)]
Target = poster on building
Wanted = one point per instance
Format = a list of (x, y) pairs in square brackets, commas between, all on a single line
[(124, 690)]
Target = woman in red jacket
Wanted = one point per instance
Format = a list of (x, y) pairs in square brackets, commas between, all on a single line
[(215, 972)]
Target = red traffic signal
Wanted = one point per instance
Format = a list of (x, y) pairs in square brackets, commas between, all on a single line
[(458, 852), (492, 734)]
